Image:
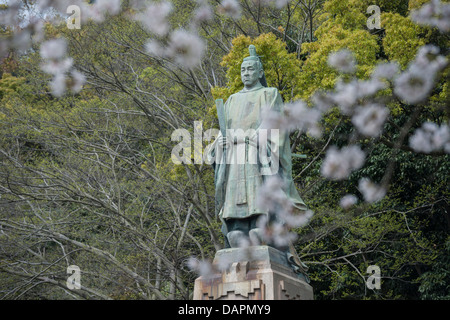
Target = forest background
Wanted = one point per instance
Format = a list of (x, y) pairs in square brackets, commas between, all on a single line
[(87, 178)]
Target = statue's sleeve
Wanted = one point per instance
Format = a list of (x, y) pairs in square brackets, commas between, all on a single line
[(276, 140), (216, 156), (212, 151), (279, 149)]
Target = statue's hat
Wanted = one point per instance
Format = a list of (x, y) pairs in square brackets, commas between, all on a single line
[(254, 57)]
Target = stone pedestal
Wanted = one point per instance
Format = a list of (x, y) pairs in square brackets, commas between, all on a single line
[(253, 273)]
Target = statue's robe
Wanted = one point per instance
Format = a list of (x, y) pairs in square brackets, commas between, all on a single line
[(239, 179)]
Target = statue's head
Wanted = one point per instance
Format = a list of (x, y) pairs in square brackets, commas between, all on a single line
[(252, 72)]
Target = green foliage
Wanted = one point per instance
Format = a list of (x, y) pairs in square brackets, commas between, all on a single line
[(9, 84), (281, 68), (316, 74), (402, 39), (435, 284), (405, 233)]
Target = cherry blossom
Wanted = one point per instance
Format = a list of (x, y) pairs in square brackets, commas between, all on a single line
[(431, 137), (369, 120), (343, 61), (371, 191), (231, 8), (348, 201), (338, 164), (154, 17), (185, 48), (435, 14)]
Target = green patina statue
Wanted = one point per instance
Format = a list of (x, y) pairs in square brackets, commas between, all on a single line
[(238, 179)]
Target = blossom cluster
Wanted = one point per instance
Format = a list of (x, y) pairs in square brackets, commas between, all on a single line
[(338, 164), (415, 84), (358, 99), (435, 14), (294, 116), (184, 47), (430, 138), (272, 196), (60, 67), (231, 8)]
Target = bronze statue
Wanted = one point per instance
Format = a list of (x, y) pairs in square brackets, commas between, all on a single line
[(239, 151)]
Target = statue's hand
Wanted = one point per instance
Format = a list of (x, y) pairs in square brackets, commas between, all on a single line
[(223, 141)]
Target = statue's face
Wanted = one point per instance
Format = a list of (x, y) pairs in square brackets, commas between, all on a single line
[(250, 74)]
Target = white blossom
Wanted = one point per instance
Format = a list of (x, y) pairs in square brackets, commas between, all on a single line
[(154, 17), (369, 120), (203, 13), (275, 233), (299, 116), (368, 88), (108, 6), (345, 96), (295, 116), (185, 48), (64, 77), (154, 48), (322, 101), (223, 262), (272, 197), (343, 61), (387, 70), (431, 137), (96, 11), (92, 12), (57, 66), (22, 40), (231, 8), (428, 57), (348, 200), (296, 219), (281, 236), (272, 119), (203, 267), (77, 81), (281, 3), (371, 191), (271, 194), (10, 16), (277, 3), (58, 84), (435, 14), (414, 85), (53, 49), (62, 81), (338, 164)]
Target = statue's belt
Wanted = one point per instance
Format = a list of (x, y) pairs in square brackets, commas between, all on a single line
[(246, 141)]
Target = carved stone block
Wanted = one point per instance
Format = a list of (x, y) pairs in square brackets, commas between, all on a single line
[(254, 273)]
